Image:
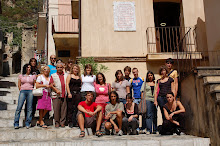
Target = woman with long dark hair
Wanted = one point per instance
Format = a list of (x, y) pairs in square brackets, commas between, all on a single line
[(88, 80), (26, 83), (174, 114), (149, 121), (130, 120), (121, 86), (34, 71), (34, 68), (102, 89)]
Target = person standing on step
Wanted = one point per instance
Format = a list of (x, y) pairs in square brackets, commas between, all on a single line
[(58, 94), (52, 65), (174, 114), (34, 71), (88, 80), (89, 115), (164, 85), (114, 112), (147, 92), (44, 102), (127, 72), (26, 83), (102, 90), (130, 120), (173, 74), (121, 86), (69, 66), (136, 84), (73, 87)]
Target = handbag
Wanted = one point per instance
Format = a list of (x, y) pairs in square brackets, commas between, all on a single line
[(142, 106), (37, 91)]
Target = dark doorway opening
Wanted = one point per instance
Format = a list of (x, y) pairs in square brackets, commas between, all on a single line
[(167, 23)]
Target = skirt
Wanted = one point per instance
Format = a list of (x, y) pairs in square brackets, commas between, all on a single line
[(44, 102)]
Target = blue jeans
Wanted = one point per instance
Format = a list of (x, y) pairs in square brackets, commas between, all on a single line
[(123, 100), (137, 100), (162, 100), (28, 96), (151, 116)]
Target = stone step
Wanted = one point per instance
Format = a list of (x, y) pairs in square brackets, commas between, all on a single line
[(5, 123), (214, 88), (3, 98), (208, 72), (9, 107), (211, 80), (9, 122), (9, 101), (61, 137), (11, 113)]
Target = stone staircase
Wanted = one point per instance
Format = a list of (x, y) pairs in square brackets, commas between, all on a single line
[(200, 94), (69, 136)]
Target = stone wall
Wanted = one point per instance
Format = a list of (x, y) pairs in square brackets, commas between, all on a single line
[(29, 44), (202, 111)]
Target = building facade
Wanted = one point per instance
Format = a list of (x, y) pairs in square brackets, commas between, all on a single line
[(161, 29)]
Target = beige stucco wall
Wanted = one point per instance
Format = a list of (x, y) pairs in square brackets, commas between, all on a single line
[(53, 10), (98, 36), (212, 12)]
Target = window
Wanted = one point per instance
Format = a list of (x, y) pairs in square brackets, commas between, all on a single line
[(64, 53)]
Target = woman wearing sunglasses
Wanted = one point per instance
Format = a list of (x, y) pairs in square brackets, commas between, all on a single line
[(44, 102)]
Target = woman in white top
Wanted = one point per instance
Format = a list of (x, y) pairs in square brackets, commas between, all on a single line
[(44, 102), (88, 80)]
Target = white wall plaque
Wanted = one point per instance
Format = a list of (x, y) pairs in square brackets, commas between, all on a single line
[(124, 16)]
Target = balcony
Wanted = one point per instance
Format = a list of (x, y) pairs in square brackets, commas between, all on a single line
[(65, 24), (65, 30), (171, 42)]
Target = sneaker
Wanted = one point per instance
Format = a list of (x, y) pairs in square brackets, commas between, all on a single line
[(28, 126), (16, 127), (177, 131), (148, 132), (142, 131), (155, 132), (120, 133)]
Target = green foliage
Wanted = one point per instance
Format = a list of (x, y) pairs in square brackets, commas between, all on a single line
[(16, 12), (97, 67)]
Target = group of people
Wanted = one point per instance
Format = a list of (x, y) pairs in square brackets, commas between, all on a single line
[(86, 100)]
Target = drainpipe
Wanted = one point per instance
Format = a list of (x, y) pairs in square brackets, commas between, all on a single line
[(79, 49), (46, 49)]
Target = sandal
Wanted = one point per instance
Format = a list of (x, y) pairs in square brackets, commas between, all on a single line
[(98, 133), (38, 123), (43, 126), (82, 134)]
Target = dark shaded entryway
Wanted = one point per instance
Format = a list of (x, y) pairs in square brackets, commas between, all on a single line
[(167, 22)]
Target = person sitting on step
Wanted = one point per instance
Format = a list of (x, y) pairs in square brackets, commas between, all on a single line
[(130, 120), (113, 114), (174, 114), (89, 115)]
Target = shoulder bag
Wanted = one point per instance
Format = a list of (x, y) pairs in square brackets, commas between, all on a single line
[(37, 91)]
